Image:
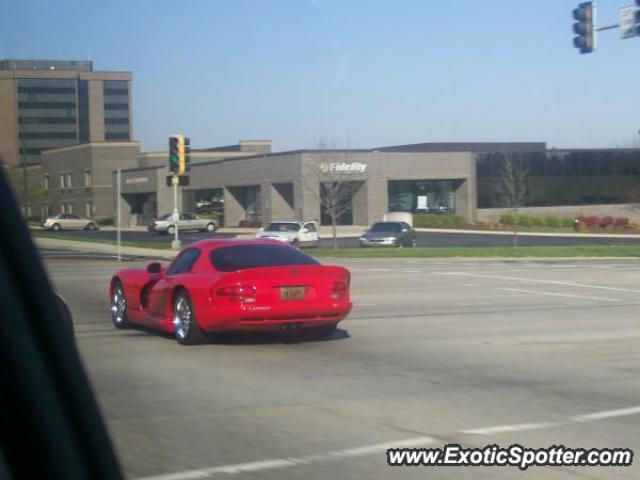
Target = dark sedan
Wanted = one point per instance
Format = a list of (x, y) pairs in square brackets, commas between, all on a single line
[(389, 234)]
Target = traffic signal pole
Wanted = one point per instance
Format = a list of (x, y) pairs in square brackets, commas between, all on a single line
[(175, 244)]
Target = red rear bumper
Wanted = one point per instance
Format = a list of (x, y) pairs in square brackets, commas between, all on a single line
[(263, 318)]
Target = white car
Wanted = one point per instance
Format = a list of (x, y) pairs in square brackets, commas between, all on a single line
[(188, 221), (292, 232), (67, 221)]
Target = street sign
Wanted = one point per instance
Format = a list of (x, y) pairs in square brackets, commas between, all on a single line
[(628, 21)]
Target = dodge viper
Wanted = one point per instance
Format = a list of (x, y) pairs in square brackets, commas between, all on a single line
[(232, 285)]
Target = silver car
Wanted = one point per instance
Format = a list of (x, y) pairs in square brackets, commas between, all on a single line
[(188, 221), (68, 221)]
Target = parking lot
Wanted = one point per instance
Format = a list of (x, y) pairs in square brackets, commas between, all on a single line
[(538, 353)]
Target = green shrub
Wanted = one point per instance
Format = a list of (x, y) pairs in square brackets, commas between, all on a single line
[(523, 220), (552, 221), (458, 221), (566, 222), (106, 221), (438, 220), (537, 222), (506, 219)]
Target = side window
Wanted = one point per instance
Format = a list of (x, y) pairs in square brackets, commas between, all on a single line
[(187, 216), (184, 262), (311, 227)]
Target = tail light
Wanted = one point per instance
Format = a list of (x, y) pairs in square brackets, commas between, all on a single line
[(238, 293), (339, 290)]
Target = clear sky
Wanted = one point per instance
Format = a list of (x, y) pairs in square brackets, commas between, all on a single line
[(364, 73)]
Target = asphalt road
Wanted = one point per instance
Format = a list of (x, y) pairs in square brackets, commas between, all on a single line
[(425, 239), (538, 353)]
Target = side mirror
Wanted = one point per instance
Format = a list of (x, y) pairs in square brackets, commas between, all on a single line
[(155, 267), (305, 230)]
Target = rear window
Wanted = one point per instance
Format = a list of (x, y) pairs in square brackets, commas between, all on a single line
[(283, 227), (240, 257)]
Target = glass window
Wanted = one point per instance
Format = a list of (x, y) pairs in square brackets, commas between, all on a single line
[(45, 183), (87, 178), (392, 227), (88, 208), (184, 262), (69, 179), (311, 227), (61, 181), (421, 196), (240, 257), (283, 227)]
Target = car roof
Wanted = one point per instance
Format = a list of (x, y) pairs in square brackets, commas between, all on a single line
[(288, 221)]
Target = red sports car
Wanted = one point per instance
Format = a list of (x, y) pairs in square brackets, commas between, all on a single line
[(232, 285)]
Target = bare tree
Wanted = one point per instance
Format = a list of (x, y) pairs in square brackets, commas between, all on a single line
[(335, 178), (510, 184)]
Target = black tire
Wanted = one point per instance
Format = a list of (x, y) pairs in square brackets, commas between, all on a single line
[(324, 331), (211, 227), (118, 317), (55, 227), (189, 333), (90, 226), (414, 242), (171, 230)]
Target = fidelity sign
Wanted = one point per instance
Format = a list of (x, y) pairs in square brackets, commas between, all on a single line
[(343, 167)]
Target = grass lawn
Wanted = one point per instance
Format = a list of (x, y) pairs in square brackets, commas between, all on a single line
[(62, 236)]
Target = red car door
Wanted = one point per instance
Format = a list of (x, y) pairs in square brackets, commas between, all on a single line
[(160, 292)]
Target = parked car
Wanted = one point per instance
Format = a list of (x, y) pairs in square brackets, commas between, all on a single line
[(69, 221), (188, 221), (232, 285), (389, 234), (292, 232)]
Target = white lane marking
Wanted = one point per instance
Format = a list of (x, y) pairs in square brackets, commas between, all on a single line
[(510, 428), (276, 463), (621, 412), (535, 280), (555, 294), (468, 285), (590, 417), (474, 304), (410, 271)]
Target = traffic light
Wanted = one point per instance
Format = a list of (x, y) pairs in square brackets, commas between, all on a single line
[(185, 155), (584, 27), (174, 154)]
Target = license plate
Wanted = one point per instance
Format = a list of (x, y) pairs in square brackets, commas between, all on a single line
[(292, 293)]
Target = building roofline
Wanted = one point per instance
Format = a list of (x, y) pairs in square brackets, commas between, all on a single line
[(79, 146)]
